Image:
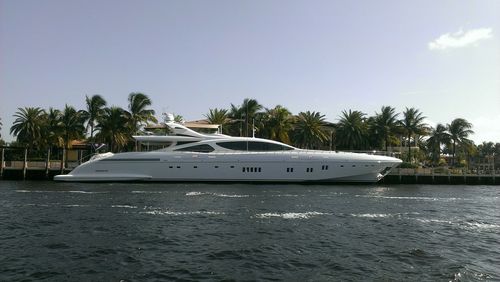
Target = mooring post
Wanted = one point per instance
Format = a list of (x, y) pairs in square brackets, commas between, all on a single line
[(25, 163), (432, 174), (2, 162), (47, 164), (63, 160), (494, 171)]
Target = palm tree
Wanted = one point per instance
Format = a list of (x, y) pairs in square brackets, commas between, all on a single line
[(246, 112), (459, 130), (351, 131), (113, 128), (179, 118), (95, 108), (439, 136), (0, 127), (277, 123), (310, 130), (486, 149), (27, 126), (385, 124), (138, 112), (53, 128), (217, 116), (412, 124), (72, 127)]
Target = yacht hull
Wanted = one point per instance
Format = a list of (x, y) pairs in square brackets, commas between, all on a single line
[(307, 166)]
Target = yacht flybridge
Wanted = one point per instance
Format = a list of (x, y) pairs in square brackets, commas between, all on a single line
[(188, 155)]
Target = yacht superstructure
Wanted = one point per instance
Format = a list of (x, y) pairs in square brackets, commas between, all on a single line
[(193, 156)]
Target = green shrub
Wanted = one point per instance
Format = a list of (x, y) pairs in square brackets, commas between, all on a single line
[(408, 165)]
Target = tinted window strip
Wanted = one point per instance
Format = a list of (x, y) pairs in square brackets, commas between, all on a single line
[(130, 160)]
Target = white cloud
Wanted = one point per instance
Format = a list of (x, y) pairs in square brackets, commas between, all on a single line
[(460, 38)]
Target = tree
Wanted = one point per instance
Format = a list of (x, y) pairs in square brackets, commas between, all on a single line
[(412, 124), (95, 109), (310, 130), (71, 125), (385, 125), (277, 123), (439, 136), (179, 118), (113, 128), (351, 131), (138, 113), (27, 126), (245, 113), (217, 116), (0, 127), (486, 149), (459, 130), (53, 128)]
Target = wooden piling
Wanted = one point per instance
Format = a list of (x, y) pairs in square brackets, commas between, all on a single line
[(63, 160), (25, 163), (47, 164), (2, 162)]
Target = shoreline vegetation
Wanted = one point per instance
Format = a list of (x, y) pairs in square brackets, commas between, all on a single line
[(404, 134)]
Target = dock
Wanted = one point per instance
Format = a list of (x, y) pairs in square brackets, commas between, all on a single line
[(437, 176), (16, 164)]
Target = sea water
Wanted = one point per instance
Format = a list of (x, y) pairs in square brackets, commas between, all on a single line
[(161, 232)]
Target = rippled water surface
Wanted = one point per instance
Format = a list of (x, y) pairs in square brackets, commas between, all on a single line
[(153, 232)]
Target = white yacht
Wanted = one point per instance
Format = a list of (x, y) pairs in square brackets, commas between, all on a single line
[(194, 156)]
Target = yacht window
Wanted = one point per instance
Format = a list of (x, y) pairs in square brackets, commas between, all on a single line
[(185, 142), (254, 146), (203, 148)]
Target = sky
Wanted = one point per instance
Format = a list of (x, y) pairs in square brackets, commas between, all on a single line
[(440, 56)]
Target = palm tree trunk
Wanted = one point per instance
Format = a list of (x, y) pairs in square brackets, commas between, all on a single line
[(409, 148), (92, 133), (454, 147)]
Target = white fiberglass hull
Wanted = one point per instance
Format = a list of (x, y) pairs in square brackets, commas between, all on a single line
[(292, 166)]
